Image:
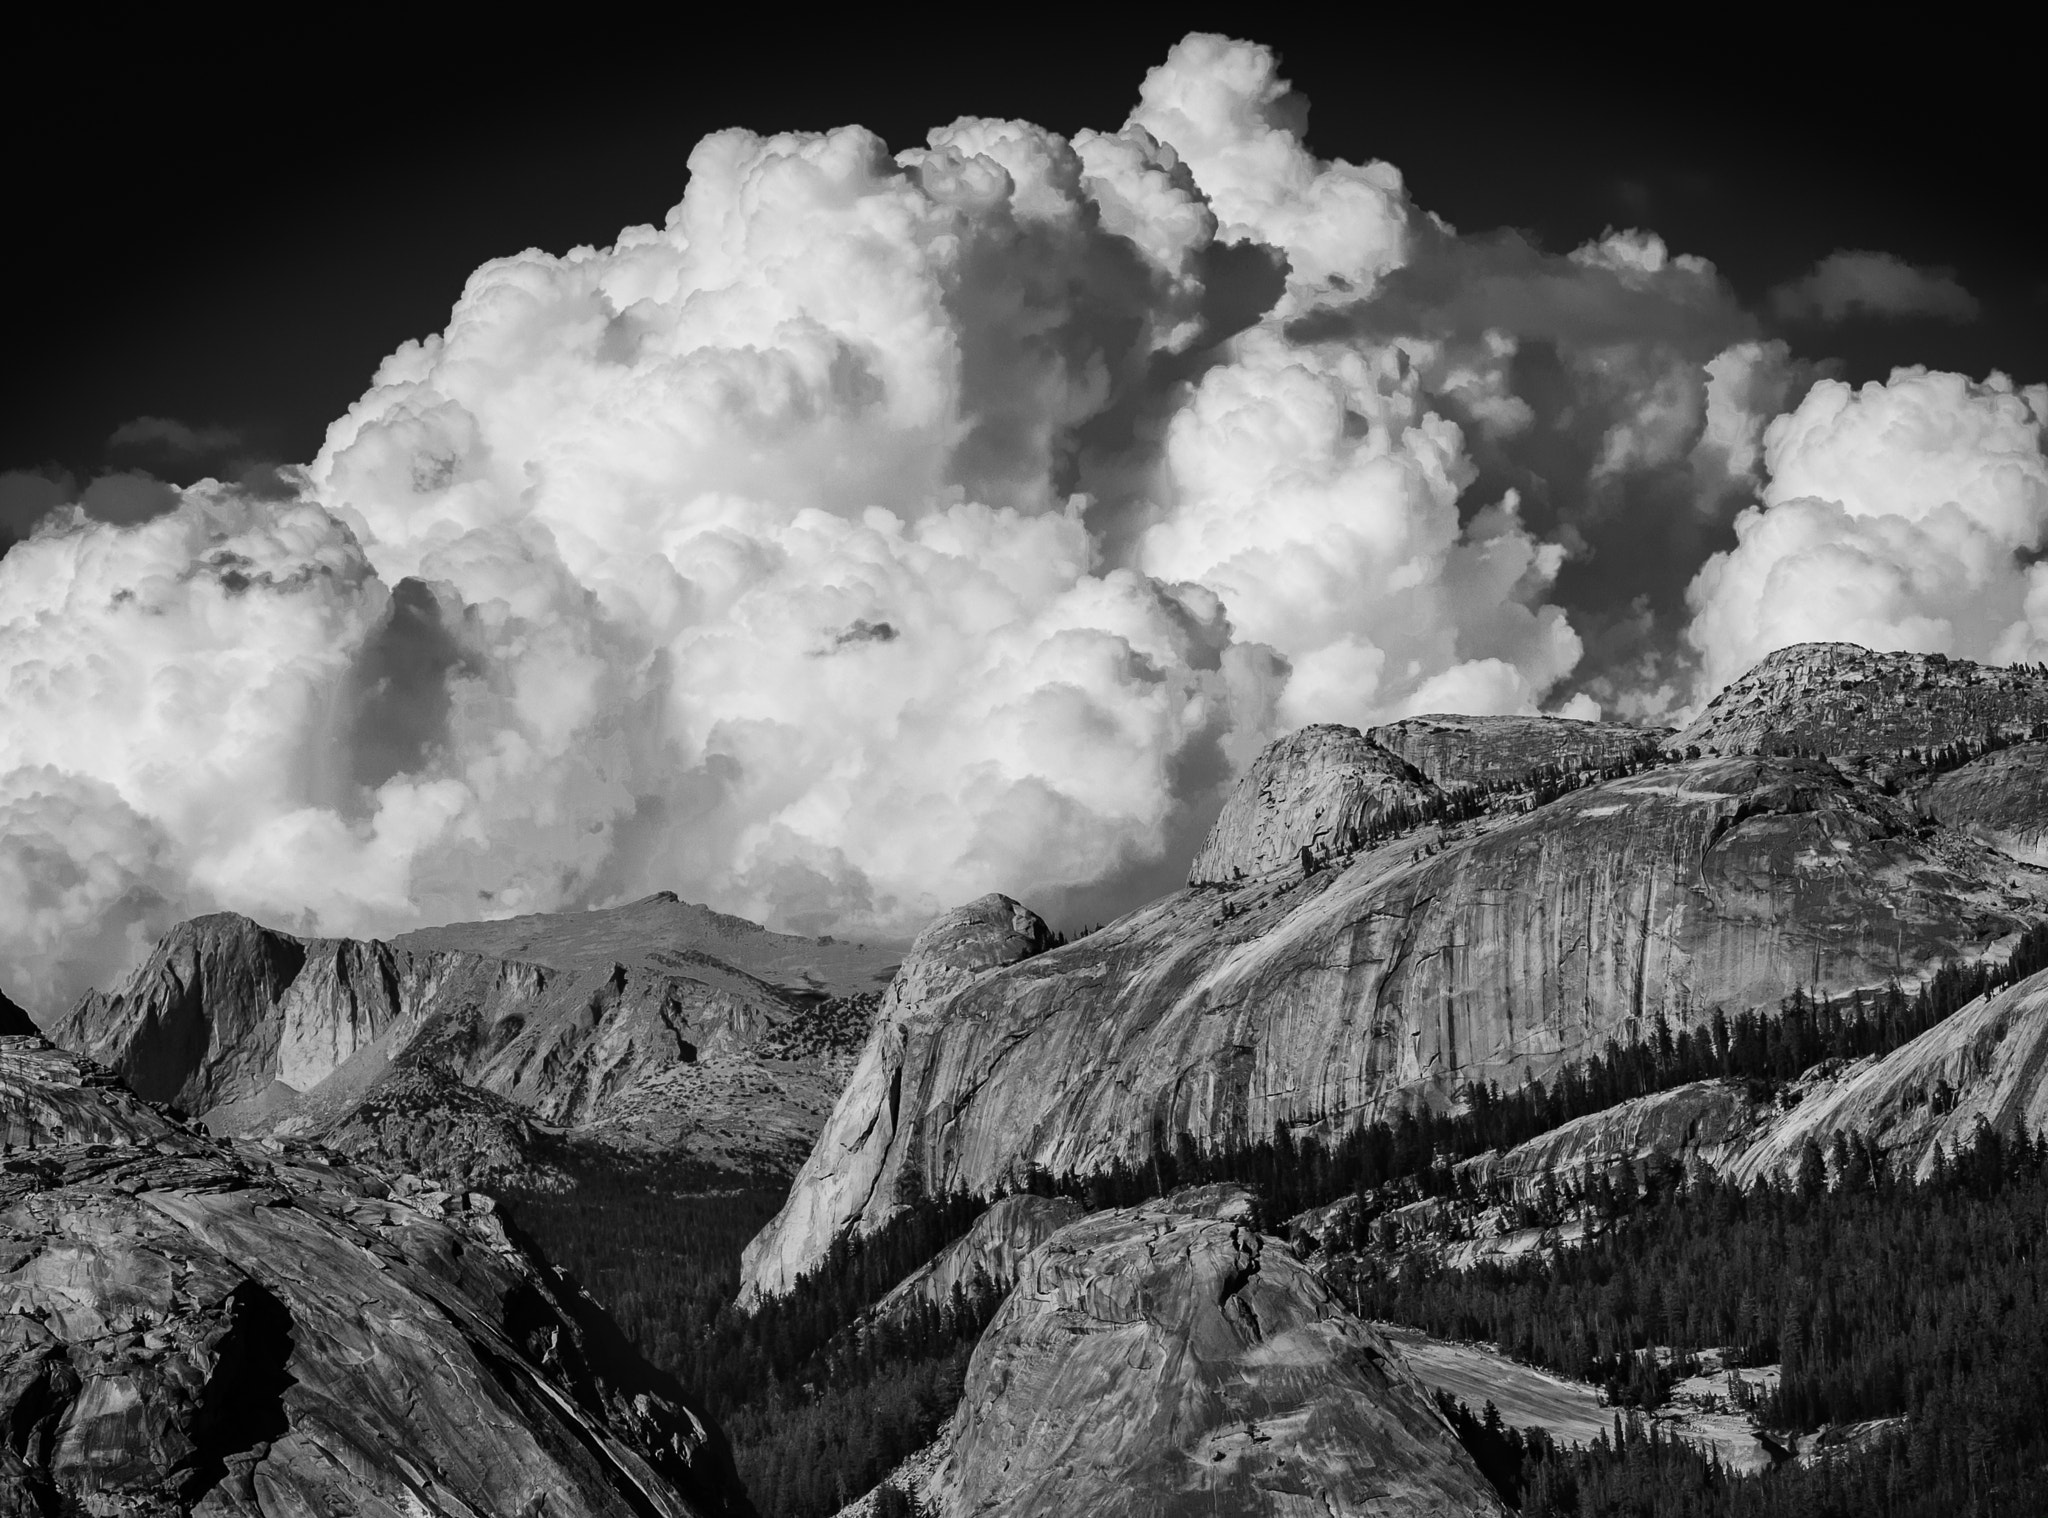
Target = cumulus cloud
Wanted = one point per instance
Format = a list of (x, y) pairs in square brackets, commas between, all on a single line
[(1846, 285), (1904, 515), (168, 437), (885, 527)]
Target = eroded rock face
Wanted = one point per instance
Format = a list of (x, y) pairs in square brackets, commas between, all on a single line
[(2001, 798), (188, 1326), (1839, 698), (1317, 789), (1494, 953), (449, 1048), (1502, 750), (1167, 1359), (841, 1178)]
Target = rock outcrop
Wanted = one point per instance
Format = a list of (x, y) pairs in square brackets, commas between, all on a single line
[(1839, 698), (1503, 750), (2001, 798), (1167, 1359), (1492, 951), (1986, 1065), (653, 1027), (1318, 790), (13, 1020), (840, 1178), (993, 1249), (188, 1326)]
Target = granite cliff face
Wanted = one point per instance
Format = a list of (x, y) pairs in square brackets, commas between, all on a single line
[(993, 1249), (1167, 1359), (193, 1327), (1839, 698), (1319, 789), (1493, 950), (2001, 798), (654, 1027), (841, 1175)]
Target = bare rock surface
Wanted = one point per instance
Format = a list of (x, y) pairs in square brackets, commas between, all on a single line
[(1986, 1065), (1840, 698), (1166, 1359), (993, 1248), (656, 1026), (840, 1178), (1453, 750), (2001, 798), (1317, 789), (188, 1326), (1494, 951)]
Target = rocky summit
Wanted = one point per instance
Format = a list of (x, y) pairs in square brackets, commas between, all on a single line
[(1840, 698), (659, 1027), (1560, 915), (1168, 1359), (1506, 750), (188, 1326)]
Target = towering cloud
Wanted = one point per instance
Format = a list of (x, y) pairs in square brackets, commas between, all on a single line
[(884, 528)]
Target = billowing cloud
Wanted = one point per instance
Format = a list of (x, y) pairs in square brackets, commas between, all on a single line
[(1904, 515), (1846, 285), (887, 527)]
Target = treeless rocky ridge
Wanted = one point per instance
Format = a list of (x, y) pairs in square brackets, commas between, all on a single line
[(1166, 1359), (1493, 951), (190, 1326), (1502, 750), (649, 1026), (1840, 698)]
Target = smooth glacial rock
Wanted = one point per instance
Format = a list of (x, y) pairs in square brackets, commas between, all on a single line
[(1495, 952), (192, 1326), (1166, 1359), (840, 1179), (1986, 1065), (2001, 798), (1504, 750), (1318, 789), (656, 1026), (992, 1250), (1840, 698)]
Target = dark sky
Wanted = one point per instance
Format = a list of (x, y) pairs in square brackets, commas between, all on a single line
[(232, 232)]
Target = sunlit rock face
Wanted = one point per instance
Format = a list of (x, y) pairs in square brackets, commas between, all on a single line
[(1319, 790), (1453, 750), (659, 1026), (2001, 798), (841, 1178), (1495, 950), (1168, 1359), (1841, 698), (191, 1326)]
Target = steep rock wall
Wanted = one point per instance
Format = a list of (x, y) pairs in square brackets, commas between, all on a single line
[(1493, 954), (2001, 798), (1167, 1359)]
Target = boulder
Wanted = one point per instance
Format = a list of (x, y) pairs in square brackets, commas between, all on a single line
[(1168, 1359), (191, 1326)]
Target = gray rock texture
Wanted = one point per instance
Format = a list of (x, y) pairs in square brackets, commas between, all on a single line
[(992, 1249), (1839, 698), (657, 1027), (1317, 789), (1502, 750), (841, 1177), (1494, 951), (1166, 1359), (2001, 798), (188, 1326)]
